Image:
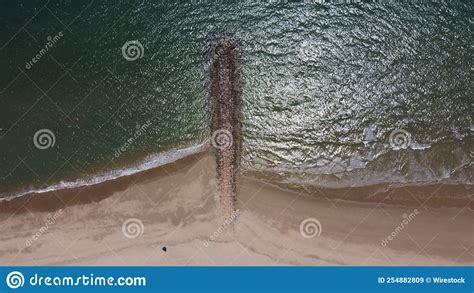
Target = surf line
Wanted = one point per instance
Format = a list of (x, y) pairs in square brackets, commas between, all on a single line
[(225, 87)]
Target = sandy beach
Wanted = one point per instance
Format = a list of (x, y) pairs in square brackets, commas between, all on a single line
[(178, 221)]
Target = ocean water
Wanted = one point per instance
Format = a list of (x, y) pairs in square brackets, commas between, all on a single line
[(334, 94)]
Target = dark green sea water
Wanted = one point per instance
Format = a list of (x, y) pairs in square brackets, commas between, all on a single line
[(324, 87)]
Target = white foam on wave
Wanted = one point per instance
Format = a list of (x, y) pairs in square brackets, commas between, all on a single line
[(149, 162), (414, 168), (419, 146)]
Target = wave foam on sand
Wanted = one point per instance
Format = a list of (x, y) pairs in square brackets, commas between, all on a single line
[(149, 162)]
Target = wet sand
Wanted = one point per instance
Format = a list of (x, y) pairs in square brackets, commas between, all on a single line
[(183, 225)]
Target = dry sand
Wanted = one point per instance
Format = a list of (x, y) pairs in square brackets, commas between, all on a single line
[(179, 210)]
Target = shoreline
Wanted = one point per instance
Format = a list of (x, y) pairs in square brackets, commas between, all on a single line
[(436, 195), (148, 162), (178, 206), (61, 198)]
